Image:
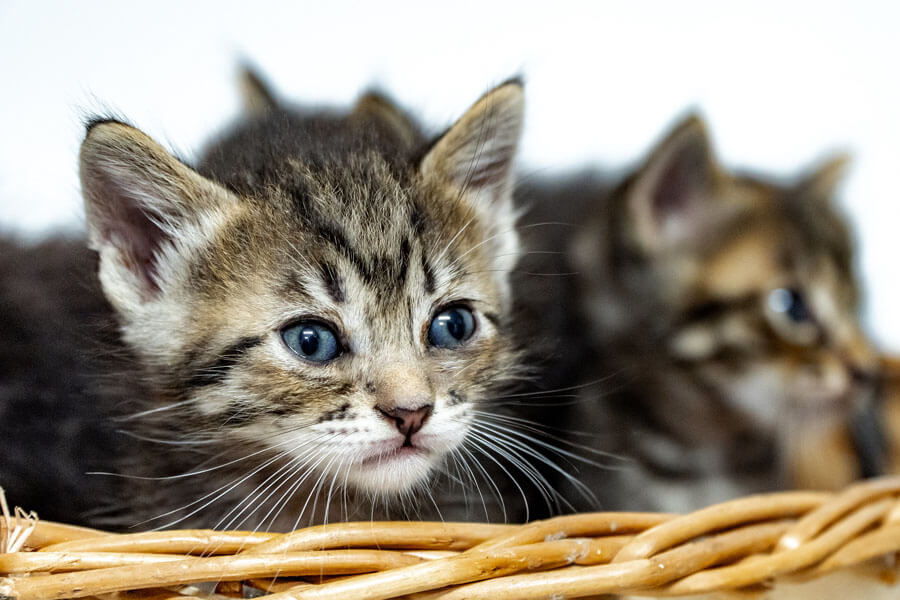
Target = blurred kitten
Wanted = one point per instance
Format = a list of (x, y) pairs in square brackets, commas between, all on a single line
[(711, 322)]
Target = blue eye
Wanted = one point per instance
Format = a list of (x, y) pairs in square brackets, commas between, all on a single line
[(451, 327), (792, 317), (311, 340), (791, 304)]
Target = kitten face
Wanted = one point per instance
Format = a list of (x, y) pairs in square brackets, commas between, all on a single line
[(787, 337), (375, 279), (313, 295), (747, 285)]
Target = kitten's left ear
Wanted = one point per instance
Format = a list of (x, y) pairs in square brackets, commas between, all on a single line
[(377, 109), (671, 197), (256, 95), (821, 183), (146, 213), (476, 154)]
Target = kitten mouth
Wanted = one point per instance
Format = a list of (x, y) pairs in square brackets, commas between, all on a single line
[(400, 452), (391, 468)]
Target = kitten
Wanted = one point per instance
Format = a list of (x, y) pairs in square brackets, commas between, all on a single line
[(720, 312), (315, 319)]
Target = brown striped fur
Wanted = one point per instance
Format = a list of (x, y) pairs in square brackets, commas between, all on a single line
[(688, 371), (350, 219)]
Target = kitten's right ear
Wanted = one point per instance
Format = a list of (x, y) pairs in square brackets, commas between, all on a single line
[(670, 198), (820, 183), (256, 95), (144, 209), (476, 154)]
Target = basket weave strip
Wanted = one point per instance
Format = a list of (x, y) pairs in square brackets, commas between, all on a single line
[(745, 542), (194, 541), (720, 516), (396, 534)]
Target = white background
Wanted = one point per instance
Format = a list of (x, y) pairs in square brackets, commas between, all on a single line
[(781, 84)]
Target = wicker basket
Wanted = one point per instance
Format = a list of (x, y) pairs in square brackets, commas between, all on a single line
[(788, 544)]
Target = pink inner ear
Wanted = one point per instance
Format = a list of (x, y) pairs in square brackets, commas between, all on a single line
[(684, 178), (128, 227), (676, 185)]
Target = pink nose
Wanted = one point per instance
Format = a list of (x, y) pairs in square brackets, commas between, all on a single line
[(407, 421)]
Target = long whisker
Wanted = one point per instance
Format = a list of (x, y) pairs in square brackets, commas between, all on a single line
[(509, 432), (252, 500), (545, 393), (221, 491), (537, 428), (458, 455), (282, 504), (513, 452), (158, 409), (583, 489), (282, 475), (485, 446), (143, 438), (194, 473), (487, 478)]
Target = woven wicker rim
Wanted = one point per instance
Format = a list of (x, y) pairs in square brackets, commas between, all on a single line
[(727, 546)]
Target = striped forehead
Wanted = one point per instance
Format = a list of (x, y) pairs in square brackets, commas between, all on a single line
[(388, 259)]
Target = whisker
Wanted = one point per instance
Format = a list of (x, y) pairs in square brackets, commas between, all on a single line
[(489, 480), (143, 438), (277, 477), (192, 473), (535, 427), (283, 475), (485, 445), (282, 504), (508, 431), (583, 489), (158, 409), (570, 388), (226, 487), (513, 452)]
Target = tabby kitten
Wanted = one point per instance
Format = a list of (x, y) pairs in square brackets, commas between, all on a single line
[(315, 319), (721, 318)]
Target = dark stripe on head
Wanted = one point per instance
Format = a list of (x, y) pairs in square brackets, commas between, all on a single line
[(332, 282), (294, 285), (417, 221), (337, 240), (217, 370), (384, 270), (429, 275), (404, 262)]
